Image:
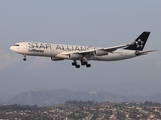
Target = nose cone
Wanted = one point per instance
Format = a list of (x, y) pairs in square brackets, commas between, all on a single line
[(11, 48)]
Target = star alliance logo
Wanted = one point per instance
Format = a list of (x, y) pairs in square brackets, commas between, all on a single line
[(139, 43)]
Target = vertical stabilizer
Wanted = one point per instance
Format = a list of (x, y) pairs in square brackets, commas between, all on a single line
[(139, 43)]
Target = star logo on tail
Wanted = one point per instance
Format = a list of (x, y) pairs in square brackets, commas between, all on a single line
[(139, 43)]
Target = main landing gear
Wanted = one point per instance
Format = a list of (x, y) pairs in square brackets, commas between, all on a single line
[(85, 63), (74, 63)]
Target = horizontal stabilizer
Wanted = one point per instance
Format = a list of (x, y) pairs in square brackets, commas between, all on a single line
[(144, 52)]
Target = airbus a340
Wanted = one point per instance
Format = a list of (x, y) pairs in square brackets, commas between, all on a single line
[(83, 53)]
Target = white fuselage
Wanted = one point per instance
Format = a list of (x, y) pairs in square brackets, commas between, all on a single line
[(53, 50), (83, 53)]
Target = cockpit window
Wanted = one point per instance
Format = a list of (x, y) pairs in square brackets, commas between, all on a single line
[(16, 44)]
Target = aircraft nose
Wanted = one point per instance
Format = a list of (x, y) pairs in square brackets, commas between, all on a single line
[(11, 48)]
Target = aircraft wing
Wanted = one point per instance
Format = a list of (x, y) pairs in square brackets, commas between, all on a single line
[(111, 49), (91, 51)]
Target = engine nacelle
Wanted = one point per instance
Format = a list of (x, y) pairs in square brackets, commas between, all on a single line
[(75, 56), (101, 52), (56, 59)]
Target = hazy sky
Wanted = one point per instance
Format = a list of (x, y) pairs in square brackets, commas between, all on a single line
[(98, 23)]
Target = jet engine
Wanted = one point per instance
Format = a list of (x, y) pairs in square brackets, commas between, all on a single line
[(56, 59), (75, 56), (101, 52)]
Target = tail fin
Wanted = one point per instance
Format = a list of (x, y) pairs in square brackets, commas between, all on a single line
[(139, 43)]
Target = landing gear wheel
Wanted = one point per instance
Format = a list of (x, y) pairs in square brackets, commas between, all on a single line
[(74, 63), (77, 66), (24, 59), (88, 65)]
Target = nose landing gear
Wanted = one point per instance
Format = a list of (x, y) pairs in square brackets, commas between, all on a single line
[(24, 59)]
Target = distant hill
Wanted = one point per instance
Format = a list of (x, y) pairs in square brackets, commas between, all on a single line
[(47, 98)]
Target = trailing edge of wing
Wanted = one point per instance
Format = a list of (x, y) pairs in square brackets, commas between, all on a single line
[(109, 49)]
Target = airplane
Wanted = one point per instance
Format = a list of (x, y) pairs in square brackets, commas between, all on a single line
[(83, 54)]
